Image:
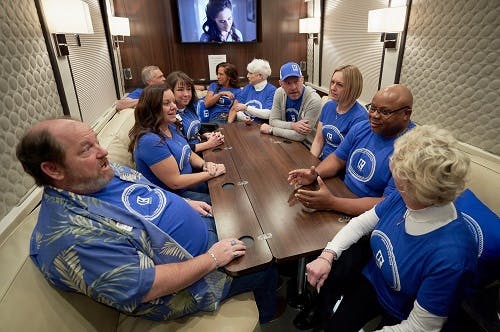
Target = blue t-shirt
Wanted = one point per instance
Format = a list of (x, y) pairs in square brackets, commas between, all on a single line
[(336, 126), (136, 94), (262, 99), (367, 160), (164, 209), (431, 268), (293, 108), (191, 125), (151, 149), (224, 103)]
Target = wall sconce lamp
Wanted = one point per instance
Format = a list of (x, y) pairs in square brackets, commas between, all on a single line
[(119, 27), (311, 26), (388, 21), (69, 16)]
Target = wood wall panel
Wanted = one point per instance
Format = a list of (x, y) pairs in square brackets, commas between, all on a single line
[(155, 39)]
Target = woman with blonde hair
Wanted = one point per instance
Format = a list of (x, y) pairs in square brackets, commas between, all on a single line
[(423, 254), (341, 112)]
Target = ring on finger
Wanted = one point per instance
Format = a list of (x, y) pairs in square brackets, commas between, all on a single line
[(235, 254), (233, 242)]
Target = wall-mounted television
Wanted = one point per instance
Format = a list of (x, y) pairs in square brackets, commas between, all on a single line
[(228, 21)]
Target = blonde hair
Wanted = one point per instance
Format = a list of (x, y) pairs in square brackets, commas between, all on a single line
[(429, 164), (353, 83)]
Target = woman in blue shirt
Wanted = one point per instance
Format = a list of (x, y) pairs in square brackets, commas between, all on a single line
[(186, 101), (341, 112), (423, 252), (160, 151), (222, 94)]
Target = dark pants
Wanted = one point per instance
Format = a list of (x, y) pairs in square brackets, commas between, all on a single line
[(358, 306), (263, 284)]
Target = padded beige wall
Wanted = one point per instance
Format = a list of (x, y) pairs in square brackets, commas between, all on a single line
[(28, 91), (452, 64)]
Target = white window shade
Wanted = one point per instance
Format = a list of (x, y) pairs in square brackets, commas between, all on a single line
[(309, 25), (387, 19), (68, 16)]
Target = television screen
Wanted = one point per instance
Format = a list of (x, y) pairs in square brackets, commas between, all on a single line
[(217, 21)]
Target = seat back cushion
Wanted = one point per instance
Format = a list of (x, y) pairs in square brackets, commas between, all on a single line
[(238, 313), (114, 137), (485, 226), (29, 303)]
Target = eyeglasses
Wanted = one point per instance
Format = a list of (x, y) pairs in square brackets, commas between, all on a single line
[(385, 112)]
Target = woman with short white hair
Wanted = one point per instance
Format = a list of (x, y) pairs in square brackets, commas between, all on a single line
[(256, 99), (423, 254)]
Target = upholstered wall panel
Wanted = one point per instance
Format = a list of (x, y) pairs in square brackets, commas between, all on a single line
[(452, 64), (28, 91), (346, 41)]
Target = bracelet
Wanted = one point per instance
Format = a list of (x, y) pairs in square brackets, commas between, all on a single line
[(331, 252), (214, 258), (326, 260)]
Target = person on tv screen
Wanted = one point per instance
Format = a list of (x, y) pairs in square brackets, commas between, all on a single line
[(220, 26)]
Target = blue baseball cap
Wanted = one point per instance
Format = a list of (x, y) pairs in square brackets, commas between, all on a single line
[(290, 69)]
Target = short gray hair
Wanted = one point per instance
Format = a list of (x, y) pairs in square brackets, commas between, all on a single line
[(260, 66), (147, 73)]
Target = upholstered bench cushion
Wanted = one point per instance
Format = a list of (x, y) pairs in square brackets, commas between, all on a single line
[(238, 313), (114, 137)]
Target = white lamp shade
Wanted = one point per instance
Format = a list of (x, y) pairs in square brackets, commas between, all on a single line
[(387, 19), (309, 25), (119, 26), (68, 16)]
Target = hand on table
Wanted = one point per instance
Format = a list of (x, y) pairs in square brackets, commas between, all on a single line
[(302, 127), (320, 199), (227, 249), (201, 207), (215, 139), (265, 128), (302, 176)]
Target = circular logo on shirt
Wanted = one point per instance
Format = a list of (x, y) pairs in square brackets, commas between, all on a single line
[(332, 135), (292, 115), (186, 153), (225, 101), (476, 231), (385, 259), (255, 103), (362, 164), (144, 201)]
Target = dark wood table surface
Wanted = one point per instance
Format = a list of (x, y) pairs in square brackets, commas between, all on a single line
[(253, 199)]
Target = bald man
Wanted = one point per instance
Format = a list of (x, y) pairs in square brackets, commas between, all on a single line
[(364, 154), (105, 231)]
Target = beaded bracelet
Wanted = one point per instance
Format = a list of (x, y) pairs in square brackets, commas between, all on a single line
[(326, 260), (214, 258), (331, 252)]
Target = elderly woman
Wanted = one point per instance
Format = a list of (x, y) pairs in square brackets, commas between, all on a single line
[(422, 250), (160, 151), (256, 99), (341, 112)]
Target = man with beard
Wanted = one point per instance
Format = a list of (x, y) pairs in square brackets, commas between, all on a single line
[(105, 231)]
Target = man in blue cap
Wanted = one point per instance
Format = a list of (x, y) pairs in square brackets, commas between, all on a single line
[(296, 107)]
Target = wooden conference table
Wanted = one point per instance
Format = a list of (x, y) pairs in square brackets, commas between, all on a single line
[(251, 201)]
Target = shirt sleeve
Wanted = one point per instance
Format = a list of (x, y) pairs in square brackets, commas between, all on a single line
[(353, 231), (419, 320), (344, 148), (151, 150), (136, 94)]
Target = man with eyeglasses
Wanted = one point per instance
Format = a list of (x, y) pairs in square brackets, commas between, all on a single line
[(364, 154)]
